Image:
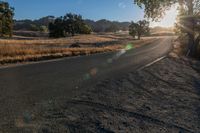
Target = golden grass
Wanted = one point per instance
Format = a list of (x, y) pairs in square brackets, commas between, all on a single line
[(62, 41), (13, 51), (14, 55)]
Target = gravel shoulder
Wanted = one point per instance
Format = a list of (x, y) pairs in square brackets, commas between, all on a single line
[(164, 97)]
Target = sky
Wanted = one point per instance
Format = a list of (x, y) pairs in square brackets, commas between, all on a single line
[(117, 10)]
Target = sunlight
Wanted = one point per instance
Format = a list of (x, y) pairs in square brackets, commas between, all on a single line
[(168, 20)]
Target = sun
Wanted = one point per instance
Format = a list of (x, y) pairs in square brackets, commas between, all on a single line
[(168, 20)]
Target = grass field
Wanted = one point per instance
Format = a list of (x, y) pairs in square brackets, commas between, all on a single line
[(36, 49)]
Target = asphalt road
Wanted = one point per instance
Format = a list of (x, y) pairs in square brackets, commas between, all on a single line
[(23, 86)]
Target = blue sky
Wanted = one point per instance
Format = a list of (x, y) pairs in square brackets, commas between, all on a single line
[(120, 10)]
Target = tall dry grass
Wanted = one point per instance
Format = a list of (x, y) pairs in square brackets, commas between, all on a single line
[(85, 39), (13, 54), (13, 51)]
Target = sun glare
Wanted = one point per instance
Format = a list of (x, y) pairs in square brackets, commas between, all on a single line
[(168, 20)]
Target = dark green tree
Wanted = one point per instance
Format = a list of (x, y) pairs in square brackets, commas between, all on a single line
[(138, 29), (133, 29), (85, 29), (6, 19), (56, 28), (70, 24)]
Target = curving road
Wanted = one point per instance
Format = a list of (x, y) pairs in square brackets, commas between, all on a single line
[(24, 86)]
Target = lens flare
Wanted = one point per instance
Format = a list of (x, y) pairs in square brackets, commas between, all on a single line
[(86, 76), (93, 71), (129, 47)]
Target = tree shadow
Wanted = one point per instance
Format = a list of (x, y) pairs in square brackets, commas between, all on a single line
[(197, 87)]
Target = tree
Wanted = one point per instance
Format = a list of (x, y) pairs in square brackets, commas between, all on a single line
[(56, 29), (85, 29), (155, 9), (140, 28), (133, 29), (6, 19), (43, 28), (70, 24), (74, 24), (179, 25)]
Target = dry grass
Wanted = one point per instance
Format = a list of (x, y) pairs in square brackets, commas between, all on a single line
[(62, 41), (13, 51), (21, 54)]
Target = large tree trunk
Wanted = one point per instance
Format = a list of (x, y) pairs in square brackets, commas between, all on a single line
[(190, 26), (196, 46), (139, 36), (0, 25), (191, 50), (181, 5)]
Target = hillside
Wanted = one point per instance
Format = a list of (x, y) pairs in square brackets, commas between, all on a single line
[(104, 25), (41, 24)]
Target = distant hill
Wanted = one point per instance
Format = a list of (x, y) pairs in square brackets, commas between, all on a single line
[(33, 25), (161, 31), (97, 26), (104, 25)]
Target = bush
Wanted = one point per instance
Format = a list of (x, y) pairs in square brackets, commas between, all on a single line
[(85, 29)]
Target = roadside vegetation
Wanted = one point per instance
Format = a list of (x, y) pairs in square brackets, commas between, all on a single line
[(188, 21), (15, 51), (16, 54)]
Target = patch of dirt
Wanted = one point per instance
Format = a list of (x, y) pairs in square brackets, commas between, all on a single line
[(164, 97)]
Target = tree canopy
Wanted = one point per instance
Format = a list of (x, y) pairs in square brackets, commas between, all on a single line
[(140, 28), (70, 24), (156, 8), (188, 18), (6, 19)]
